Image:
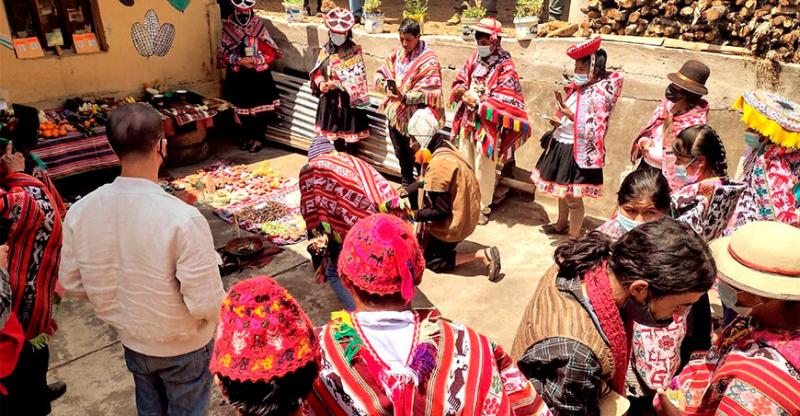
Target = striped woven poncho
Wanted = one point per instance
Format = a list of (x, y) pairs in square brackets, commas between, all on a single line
[(337, 190), (419, 79), (500, 123)]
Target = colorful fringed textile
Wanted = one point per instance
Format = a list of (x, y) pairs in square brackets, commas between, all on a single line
[(255, 35), (346, 68), (771, 115), (419, 79), (671, 125), (772, 178), (748, 372), (452, 371), (500, 124), (594, 106), (337, 190)]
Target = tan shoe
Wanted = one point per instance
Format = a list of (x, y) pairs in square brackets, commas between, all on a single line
[(455, 20)]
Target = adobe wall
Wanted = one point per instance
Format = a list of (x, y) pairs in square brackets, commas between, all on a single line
[(541, 62)]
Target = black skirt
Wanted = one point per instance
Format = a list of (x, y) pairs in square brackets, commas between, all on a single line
[(337, 120), (251, 92), (558, 174)]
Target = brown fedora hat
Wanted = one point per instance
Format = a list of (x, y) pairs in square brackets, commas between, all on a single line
[(692, 77)]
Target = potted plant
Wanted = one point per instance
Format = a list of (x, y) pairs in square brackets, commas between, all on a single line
[(469, 18), (416, 9), (373, 16), (526, 18), (294, 10)]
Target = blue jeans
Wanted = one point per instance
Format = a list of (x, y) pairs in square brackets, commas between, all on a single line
[(355, 7), (332, 276), (173, 386)]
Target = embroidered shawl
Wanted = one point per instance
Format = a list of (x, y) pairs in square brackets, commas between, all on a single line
[(672, 125), (34, 241), (254, 35), (347, 68), (592, 113), (419, 79), (772, 179), (500, 124), (452, 370), (706, 206), (748, 372), (337, 190)]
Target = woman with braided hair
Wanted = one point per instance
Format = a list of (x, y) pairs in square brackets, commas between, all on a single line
[(707, 198)]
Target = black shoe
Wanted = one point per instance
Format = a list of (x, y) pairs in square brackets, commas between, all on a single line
[(56, 390)]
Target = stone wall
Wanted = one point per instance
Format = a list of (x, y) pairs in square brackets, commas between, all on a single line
[(542, 61)]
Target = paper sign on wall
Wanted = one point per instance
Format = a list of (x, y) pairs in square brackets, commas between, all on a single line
[(27, 48), (85, 43)]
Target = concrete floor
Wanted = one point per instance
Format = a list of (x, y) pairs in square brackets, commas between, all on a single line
[(86, 354)]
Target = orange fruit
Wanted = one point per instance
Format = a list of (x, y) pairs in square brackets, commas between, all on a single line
[(63, 131)]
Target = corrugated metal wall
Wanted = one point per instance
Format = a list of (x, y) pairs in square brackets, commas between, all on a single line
[(299, 108)]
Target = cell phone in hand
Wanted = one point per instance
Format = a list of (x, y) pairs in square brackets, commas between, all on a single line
[(391, 85), (559, 97)]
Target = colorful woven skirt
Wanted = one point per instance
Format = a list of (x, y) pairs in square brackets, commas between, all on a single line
[(558, 175), (251, 92)]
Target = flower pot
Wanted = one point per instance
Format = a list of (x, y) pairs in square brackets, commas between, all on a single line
[(526, 27), (294, 12), (467, 33), (373, 22), (420, 18)]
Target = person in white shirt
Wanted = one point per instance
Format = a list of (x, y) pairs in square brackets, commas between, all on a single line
[(146, 262)]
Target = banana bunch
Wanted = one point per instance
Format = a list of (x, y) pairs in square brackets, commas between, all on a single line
[(129, 100)]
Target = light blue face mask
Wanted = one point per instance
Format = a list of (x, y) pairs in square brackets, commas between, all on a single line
[(728, 297), (682, 174), (751, 139), (581, 79), (626, 223)]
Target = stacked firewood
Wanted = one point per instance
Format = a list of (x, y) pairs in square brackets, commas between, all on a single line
[(766, 27)]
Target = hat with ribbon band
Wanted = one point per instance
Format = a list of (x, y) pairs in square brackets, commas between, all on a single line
[(490, 26), (692, 77), (243, 4), (761, 258), (584, 49)]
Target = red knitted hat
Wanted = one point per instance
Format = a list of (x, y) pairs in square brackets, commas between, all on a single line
[(262, 333), (584, 49), (340, 20), (380, 255)]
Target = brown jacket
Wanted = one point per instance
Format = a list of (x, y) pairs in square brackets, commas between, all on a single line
[(449, 172)]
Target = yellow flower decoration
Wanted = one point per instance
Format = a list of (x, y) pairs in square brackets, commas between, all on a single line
[(302, 349), (259, 311), (342, 316), (225, 360), (264, 364), (239, 310), (276, 306)]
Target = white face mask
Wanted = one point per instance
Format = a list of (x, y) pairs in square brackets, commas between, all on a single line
[(338, 39), (729, 297), (484, 51)]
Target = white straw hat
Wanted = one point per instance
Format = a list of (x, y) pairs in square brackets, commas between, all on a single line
[(762, 258)]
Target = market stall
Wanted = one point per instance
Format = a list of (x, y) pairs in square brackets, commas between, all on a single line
[(252, 197)]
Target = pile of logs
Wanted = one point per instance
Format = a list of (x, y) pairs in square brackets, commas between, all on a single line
[(766, 27)]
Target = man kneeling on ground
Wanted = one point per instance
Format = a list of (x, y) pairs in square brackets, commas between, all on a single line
[(449, 185)]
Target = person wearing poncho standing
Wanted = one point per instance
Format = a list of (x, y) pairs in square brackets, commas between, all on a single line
[(337, 190), (490, 121), (339, 79), (571, 166), (411, 78), (246, 49), (771, 171), (387, 358), (266, 352), (681, 108), (598, 289)]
